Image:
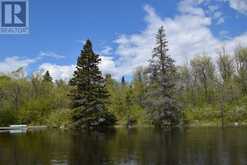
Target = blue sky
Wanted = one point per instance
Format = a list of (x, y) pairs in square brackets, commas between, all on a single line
[(122, 32)]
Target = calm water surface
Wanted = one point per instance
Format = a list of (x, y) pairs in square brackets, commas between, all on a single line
[(197, 146)]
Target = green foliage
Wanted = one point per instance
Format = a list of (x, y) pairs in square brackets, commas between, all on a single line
[(241, 63), (211, 114), (203, 70), (47, 77), (160, 101), (226, 66), (202, 114), (36, 111), (89, 94), (126, 101), (202, 91), (30, 101), (214, 93), (7, 117), (60, 118)]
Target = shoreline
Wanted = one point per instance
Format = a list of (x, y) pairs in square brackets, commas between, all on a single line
[(192, 125)]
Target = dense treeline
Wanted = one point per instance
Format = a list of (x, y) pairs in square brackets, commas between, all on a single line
[(35, 100), (203, 91), (215, 92)]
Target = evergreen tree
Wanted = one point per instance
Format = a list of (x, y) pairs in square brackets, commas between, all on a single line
[(123, 81), (47, 77), (160, 101), (89, 94)]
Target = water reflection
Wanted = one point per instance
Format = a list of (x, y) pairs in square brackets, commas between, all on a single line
[(199, 146)]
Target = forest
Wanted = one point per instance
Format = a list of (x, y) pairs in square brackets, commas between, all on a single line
[(205, 91)]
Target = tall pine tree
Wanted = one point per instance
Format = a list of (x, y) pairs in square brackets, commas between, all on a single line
[(123, 83), (47, 77), (89, 94), (160, 101)]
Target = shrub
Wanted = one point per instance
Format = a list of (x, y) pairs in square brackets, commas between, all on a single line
[(59, 118), (7, 118)]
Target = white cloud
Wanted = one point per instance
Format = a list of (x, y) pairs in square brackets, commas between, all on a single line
[(213, 8), (107, 50), (225, 34), (58, 72), (218, 16), (239, 5), (188, 34), (65, 72), (50, 54), (215, 13), (108, 65), (11, 64), (232, 43), (190, 7), (81, 41), (221, 20)]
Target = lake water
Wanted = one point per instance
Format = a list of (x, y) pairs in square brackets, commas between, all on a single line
[(146, 146)]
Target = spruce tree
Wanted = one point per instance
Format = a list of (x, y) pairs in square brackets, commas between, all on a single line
[(123, 83), (89, 94), (160, 100), (47, 77)]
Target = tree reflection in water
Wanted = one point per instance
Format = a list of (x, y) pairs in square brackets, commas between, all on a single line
[(146, 146)]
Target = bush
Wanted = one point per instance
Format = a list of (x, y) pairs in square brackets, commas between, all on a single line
[(236, 114), (206, 113), (7, 118), (35, 111), (59, 118)]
